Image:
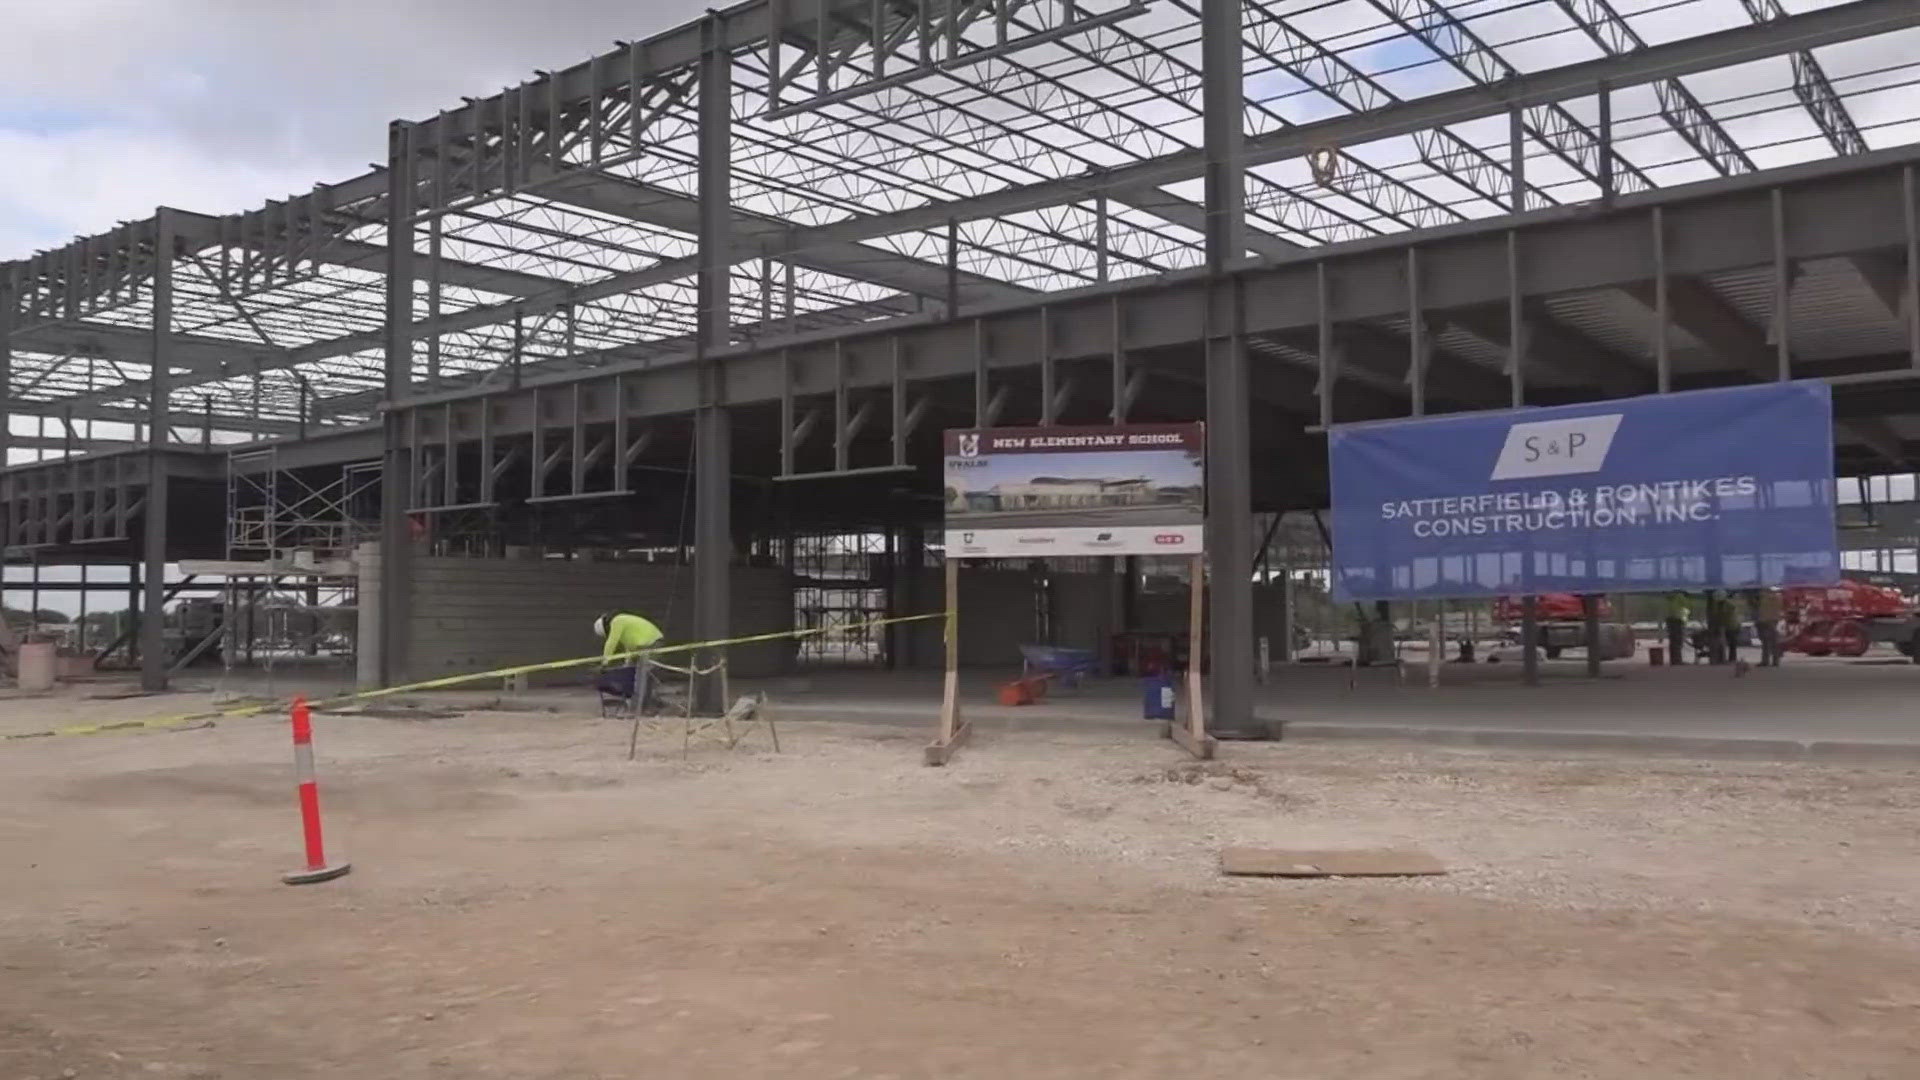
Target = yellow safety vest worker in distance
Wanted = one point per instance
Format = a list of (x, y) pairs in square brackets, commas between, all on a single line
[(629, 634)]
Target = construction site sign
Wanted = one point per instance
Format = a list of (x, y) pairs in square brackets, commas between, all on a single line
[(1036, 492), (1711, 489)]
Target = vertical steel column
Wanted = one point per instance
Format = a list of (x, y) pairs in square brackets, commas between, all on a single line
[(1329, 363), (1517, 383), (1103, 263), (1608, 182), (1049, 380), (436, 227), (1416, 336), (1114, 565), (132, 630), (1662, 307), (953, 268), (1517, 159), (1590, 612), (153, 651), (712, 435), (1913, 268), (1229, 438), (396, 541), (1516, 326), (1782, 291), (80, 627), (9, 298)]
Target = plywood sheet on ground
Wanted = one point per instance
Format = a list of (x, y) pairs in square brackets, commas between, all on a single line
[(1361, 862)]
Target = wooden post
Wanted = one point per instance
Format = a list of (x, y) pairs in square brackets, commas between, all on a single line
[(953, 727), (1192, 735)]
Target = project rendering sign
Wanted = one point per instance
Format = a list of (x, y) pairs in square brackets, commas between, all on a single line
[(1035, 492), (1712, 489)]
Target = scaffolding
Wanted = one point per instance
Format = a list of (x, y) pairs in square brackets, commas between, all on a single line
[(291, 576)]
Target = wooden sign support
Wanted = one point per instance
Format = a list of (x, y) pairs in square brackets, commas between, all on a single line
[(953, 727), (1192, 733)]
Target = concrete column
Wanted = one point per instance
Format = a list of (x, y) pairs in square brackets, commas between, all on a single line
[(1229, 449), (713, 434), (396, 543), (153, 651), (368, 645)]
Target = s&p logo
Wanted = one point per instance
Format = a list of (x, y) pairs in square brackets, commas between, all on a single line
[(1556, 447)]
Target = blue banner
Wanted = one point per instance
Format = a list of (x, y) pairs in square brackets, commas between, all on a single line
[(1711, 489)]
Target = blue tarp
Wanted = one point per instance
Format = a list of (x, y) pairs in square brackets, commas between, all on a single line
[(1711, 489)]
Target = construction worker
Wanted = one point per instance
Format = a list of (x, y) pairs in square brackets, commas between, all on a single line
[(1678, 612), (1766, 609), (625, 636), (1728, 614)]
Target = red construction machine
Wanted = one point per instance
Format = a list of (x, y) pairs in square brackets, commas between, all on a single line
[(1848, 618)]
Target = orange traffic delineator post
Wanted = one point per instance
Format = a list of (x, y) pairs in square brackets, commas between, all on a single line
[(317, 868)]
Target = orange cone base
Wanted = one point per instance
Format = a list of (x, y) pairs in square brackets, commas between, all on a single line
[(315, 877)]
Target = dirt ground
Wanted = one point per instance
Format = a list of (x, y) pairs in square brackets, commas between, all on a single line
[(525, 903)]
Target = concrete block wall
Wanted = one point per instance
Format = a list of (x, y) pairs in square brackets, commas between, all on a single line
[(996, 616), (478, 614)]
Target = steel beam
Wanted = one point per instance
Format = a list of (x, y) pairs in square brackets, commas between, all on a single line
[(713, 444), (1714, 322), (396, 541), (1706, 52), (1551, 344), (1885, 275), (1229, 434), (749, 235), (1815, 92), (1375, 350), (153, 528), (1789, 34), (9, 298), (218, 357), (1711, 320), (1681, 109), (1837, 209)]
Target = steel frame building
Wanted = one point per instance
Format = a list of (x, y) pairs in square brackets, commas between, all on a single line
[(761, 259)]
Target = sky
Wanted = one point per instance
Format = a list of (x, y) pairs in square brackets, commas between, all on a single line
[(109, 108)]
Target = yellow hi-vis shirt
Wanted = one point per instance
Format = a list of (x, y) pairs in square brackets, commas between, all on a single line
[(629, 634)]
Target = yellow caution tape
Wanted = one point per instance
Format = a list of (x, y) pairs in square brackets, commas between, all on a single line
[(455, 680)]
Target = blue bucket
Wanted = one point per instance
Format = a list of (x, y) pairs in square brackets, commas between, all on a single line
[(1157, 697)]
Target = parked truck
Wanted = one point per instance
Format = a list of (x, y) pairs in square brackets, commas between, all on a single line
[(1562, 623)]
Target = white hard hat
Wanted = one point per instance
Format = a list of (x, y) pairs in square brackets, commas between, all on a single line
[(600, 626)]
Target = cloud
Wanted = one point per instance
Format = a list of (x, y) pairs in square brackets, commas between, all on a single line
[(113, 107)]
